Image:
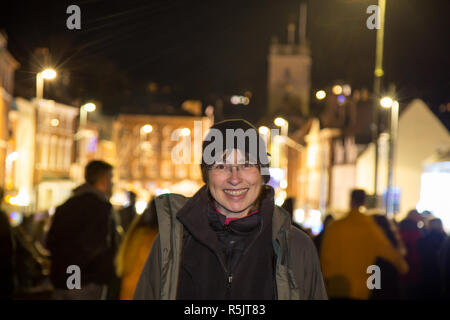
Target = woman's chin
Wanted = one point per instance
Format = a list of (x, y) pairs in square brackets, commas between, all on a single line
[(236, 209)]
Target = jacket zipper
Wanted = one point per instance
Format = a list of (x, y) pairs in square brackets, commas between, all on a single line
[(229, 280)]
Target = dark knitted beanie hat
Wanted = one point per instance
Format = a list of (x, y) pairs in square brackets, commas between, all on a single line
[(234, 134)]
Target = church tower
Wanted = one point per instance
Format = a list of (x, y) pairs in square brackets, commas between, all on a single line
[(289, 69)]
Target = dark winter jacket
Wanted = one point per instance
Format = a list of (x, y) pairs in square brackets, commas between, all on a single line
[(288, 267), (83, 233), (6, 258), (431, 281)]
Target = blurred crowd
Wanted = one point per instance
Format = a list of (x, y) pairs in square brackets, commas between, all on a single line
[(111, 248), (413, 255)]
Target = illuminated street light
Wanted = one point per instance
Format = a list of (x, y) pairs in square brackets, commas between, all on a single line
[(185, 132), (393, 132), (89, 107), (147, 128), (321, 94), (240, 100), (347, 90), (280, 122), (54, 122), (337, 90), (84, 109), (48, 74), (386, 102), (263, 130)]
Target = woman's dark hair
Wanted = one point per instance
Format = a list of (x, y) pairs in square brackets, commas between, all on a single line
[(247, 128)]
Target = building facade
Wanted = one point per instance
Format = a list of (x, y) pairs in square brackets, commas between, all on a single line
[(8, 65), (55, 128), (158, 154)]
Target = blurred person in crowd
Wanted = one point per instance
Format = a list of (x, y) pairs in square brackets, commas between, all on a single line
[(128, 213), (135, 249), (6, 255), (84, 233), (229, 241), (444, 265), (319, 238), (428, 248), (288, 205), (411, 230), (349, 247), (390, 277)]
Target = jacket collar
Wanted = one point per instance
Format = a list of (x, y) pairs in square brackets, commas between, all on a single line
[(88, 188)]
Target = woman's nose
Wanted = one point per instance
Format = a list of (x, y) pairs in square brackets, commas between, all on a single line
[(234, 177)]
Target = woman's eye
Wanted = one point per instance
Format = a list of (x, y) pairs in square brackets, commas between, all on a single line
[(220, 166)]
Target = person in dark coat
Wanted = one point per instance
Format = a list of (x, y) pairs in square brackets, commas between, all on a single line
[(390, 277), (410, 233), (6, 255), (318, 239), (83, 233), (428, 247), (444, 264)]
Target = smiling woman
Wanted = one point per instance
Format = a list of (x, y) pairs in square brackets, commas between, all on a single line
[(229, 241), (235, 188)]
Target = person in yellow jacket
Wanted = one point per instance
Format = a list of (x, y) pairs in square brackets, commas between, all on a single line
[(135, 249), (349, 247)]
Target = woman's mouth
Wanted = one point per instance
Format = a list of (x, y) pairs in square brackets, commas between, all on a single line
[(235, 192)]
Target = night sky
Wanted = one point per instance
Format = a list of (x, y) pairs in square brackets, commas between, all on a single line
[(213, 49)]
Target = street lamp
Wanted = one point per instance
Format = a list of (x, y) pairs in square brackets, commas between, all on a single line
[(47, 74), (321, 94), (283, 124), (281, 151), (337, 89), (387, 102), (265, 133), (185, 132), (143, 143), (84, 109), (378, 75), (147, 128)]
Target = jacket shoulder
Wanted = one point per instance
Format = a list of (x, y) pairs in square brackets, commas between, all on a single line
[(169, 204)]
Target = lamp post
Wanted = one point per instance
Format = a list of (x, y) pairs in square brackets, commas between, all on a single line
[(84, 109), (283, 124), (388, 103), (265, 133), (378, 73), (321, 94), (282, 158), (143, 131), (46, 74)]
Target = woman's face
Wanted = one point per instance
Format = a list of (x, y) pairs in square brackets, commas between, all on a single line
[(235, 186)]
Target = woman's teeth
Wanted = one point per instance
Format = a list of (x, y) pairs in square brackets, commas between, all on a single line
[(235, 192)]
